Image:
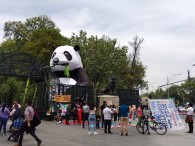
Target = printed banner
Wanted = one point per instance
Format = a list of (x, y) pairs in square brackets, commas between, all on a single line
[(164, 111), (62, 98)]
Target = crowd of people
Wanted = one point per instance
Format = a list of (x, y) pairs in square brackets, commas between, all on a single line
[(108, 114), (20, 121), (81, 114)]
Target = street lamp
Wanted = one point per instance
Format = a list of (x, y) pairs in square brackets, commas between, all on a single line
[(152, 85), (168, 80)]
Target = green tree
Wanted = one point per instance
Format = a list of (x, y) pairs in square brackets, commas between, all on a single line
[(8, 46), (187, 90), (37, 36), (103, 59), (10, 89)]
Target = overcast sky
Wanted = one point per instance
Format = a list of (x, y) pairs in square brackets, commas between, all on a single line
[(167, 27)]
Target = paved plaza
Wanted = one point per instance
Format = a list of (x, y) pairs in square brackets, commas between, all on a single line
[(53, 134)]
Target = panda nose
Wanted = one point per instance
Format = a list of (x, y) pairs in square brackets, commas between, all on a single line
[(55, 60)]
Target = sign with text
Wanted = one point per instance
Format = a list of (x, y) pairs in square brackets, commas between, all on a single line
[(164, 111), (62, 98)]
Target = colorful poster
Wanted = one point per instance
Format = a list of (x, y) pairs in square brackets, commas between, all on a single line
[(164, 111), (62, 98)]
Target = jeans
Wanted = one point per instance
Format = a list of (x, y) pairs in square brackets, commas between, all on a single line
[(3, 122), (92, 122)]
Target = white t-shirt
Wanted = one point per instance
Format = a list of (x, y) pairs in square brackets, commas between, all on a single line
[(190, 111), (107, 113), (29, 111), (86, 109)]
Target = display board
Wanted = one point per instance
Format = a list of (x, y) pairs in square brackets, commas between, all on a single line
[(164, 111), (62, 98)]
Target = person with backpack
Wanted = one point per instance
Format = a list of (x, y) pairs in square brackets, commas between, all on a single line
[(28, 124)]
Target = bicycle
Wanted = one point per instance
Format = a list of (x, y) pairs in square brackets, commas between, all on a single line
[(158, 127)]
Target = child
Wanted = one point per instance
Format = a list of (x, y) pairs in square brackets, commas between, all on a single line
[(16, 128)]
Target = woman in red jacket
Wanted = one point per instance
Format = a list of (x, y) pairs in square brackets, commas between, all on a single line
[(79, 114)]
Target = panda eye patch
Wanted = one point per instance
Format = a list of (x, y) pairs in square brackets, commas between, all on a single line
[(54, 54), (68, 55)]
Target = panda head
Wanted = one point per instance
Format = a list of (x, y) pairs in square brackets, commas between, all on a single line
[(66, 55)]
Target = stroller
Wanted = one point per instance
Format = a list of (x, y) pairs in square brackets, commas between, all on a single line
[(16, 129)]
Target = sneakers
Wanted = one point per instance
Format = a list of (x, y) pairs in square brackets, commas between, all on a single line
[(121, 134), (95, 133), (59, 122), (11, 138)]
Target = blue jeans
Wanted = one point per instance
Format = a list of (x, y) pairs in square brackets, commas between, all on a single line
[(92, 122), (3, 122)]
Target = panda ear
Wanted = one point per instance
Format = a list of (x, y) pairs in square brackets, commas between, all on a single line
[(76, 47)]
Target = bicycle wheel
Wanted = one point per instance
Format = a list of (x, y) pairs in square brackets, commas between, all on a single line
[(142, 128), (160, 128)]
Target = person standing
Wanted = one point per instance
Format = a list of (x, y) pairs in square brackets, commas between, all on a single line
[(92, 119), (189, 118), (124, 110), (139, 114), (102, 115), (4, 114), (75, 113), (79, 112), (68, 113), (107, 119), (115, 112), (133, 110), (28, 124), (85, 114), (59, 119)]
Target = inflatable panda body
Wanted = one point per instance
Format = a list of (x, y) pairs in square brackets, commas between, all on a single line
[(68, 55)]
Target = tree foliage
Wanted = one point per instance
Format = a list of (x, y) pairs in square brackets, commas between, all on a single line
[(101, 57), (181, 93), (11, 89), (37, 36)]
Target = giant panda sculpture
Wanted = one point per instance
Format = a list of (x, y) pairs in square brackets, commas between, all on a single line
[(69, 56)]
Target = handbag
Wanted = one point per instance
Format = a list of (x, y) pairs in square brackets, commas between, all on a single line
[(36, 121)]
